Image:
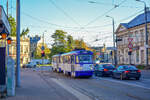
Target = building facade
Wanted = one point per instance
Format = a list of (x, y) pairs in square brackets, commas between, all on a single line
[(132, 36), (33, 45), (104, 54), (24, 50)]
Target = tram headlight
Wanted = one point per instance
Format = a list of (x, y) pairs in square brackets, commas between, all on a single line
[(91, 67)]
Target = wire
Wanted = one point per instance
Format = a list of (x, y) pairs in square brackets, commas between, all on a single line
[(60, 9), (115, 6)]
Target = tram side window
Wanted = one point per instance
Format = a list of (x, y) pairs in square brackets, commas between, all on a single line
[(77, 59), (69, 59), (72, 59)]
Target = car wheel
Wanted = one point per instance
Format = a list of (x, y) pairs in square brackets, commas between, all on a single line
[(137, 78)]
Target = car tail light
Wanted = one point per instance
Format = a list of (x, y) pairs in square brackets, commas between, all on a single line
[(139, 71), (126, 71), (105, 69)]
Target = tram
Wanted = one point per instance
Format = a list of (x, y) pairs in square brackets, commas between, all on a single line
[(78, 63)]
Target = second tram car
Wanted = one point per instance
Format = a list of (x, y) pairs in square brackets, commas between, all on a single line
[(77, 63)]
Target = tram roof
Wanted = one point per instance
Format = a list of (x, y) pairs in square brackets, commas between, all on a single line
[(78, 52)]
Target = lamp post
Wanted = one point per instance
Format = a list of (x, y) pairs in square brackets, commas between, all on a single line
[(115, 56), (43, 49), (146, 33), (18, 44)]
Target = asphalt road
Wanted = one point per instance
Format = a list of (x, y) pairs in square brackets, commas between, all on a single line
[(100, 88)]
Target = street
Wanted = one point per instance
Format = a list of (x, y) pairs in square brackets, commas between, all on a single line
[(45, 85)]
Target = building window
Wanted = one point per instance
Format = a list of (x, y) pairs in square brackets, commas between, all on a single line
[(137, 55), (136, 36), (142, 34)]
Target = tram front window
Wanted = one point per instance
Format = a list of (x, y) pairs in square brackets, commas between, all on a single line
[(85, 59)]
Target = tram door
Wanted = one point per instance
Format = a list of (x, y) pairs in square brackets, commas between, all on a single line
[(72, 63), (2, 66)]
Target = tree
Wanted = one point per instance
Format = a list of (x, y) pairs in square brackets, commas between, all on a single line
[(13, 25), (25, 32), (12, 22), (60, 43), (38, 51), (70, 43), (59, 38)]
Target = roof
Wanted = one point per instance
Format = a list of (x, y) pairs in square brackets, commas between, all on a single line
[(78, 52), (138, 20)]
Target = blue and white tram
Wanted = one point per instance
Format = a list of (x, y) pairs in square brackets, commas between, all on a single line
[(77, 63), (56, 63)]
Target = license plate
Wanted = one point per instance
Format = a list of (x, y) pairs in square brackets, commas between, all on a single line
[(133, 72)]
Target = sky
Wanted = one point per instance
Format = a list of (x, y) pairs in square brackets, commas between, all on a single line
[(79, 18)]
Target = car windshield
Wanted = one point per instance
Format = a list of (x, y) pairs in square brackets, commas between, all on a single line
[(130, 67), (85, 58), (108, 66)]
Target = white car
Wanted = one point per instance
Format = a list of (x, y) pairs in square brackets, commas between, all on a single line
[(30, 65)]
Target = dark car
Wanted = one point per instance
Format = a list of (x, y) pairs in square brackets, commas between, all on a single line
[(104, 69), (126, 72)]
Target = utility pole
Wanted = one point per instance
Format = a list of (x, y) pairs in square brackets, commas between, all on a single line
[(43, 47), (7, 17), (114, 41), (18, 44), (146, 33), (7, 8)]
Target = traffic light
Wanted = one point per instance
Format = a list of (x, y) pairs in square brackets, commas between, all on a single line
[(42, 53)]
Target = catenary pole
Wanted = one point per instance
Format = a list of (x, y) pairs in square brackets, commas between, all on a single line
[(18, 44)]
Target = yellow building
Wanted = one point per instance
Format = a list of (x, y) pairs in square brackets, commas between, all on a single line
[(24, 50), (135, 30)]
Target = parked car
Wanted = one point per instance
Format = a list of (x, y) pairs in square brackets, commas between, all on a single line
[(104, 69), (126, 72), (30, 65)]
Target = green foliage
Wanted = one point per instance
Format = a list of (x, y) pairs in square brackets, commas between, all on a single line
[(13, 25), (12, 22), (24, 32), (65, 43), (70, 42), (140, 66)]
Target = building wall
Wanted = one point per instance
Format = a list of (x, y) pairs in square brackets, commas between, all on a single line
[(24, 50), (138, 51)]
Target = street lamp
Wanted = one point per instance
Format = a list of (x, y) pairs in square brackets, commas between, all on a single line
[(9, 40), (115, 57), (4, 35), (146, 33)]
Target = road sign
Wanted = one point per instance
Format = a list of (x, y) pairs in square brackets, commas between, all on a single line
[(130, 45), (42, 48), (130, 39)]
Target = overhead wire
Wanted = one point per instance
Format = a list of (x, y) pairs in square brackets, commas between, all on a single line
[(115, 6), (66, 14)]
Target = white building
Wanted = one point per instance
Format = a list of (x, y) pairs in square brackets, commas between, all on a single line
[(135, 30)]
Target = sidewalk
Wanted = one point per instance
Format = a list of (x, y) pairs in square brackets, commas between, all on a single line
[(33, 87)]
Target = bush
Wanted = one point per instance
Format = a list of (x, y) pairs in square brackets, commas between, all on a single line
[(141, 66)]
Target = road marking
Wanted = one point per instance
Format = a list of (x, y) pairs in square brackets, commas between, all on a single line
[(122, 82), (76, 93)]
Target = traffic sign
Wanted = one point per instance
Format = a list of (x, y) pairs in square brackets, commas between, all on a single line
[(42, 48), (130, 39), (130, 45)]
